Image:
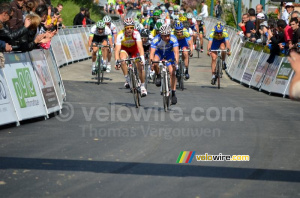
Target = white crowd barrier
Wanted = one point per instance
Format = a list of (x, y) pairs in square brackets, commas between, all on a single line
[(30, 83), (248, 63)]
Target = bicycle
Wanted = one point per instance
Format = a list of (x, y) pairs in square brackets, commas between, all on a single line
[(181, 76), (135, 82), (99, 61), (146, 68), (165, 83), (198, 45), (219, 64)]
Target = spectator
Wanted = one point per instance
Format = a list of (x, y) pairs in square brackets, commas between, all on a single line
[(6, 34), (259, 9), (30, 7), (5, 47), (295, 83), (79, 17), (249, 26), (287, 14), (260, 19), (59, 7), (288, 33), (296, 34), (218, 10), (264, 32), (167, 4), (296, 14), (204, 10), (242, 24), (17, 19), (29, 41), (252, 15), (88, 19)]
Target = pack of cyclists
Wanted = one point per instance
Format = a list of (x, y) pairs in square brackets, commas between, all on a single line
[(160, 36)]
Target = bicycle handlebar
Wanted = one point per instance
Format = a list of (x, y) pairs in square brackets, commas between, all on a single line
[(162, 61), (129, 59)]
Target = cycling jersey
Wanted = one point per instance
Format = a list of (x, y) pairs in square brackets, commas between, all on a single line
[(201, 25), (165, 50), (185, 34), (128, 43), (94, 31), (150, 22), (213, 36), (113, 28), (193, 24)]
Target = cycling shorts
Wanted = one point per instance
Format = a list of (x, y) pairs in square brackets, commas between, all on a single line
[(130, 51), (183, 43), (169, 56), (99, 39), (216, 43)]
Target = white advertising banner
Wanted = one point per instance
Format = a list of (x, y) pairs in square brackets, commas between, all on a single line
[(23, 86), (270, 76), (85, 41), (282, 78), (45, 80), (70, 44), (243, 61), (78, 41), (7, 110), (261, 69), (58, 51), (65, 45), (255, 56), (58, 83)]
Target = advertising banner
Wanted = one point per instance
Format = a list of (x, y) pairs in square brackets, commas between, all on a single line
[(70, 44), (57, 48), (271, 73), (65, 45), (243, 61), (261, 69), (78, 42), (235, 46), (235, 59), (85, 41), (287, 89), (58, 83), (282, 78), (255, 56), (45, 80), (23, 86), (7, 110)]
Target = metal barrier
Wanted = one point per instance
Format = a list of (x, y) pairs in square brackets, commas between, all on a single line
[(249, 63)]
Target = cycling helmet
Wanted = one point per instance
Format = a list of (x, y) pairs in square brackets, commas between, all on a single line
[(165, 29), (156, 13), (145, 33), (106, 19), (175, 17), (170, 8), (158, 25), (163, 15), (189, 15), (137, 26), (198, 18), (100, 24), (219, 28), (178, 25), (128, 22), (182, 18), (163, 8)]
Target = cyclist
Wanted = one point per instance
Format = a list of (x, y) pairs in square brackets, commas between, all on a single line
[(100, 33), (138, 26), (146, 39), (108, 23), (193, 25), (185, 42), (150, 23), (218, 39), (129, 44), (165, 46), (155, 30), (202, 30)]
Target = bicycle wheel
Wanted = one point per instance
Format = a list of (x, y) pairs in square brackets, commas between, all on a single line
[(164, 92), (133, 87), (99, 69), (168, 90), (181, 76), (218, 72), (146, 73), (198, 47)]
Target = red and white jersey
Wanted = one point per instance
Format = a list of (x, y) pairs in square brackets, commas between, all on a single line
[(128, 41)]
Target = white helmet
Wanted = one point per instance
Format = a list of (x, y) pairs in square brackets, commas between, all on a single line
[(170, 8), (128, 22), (198, 18), (107, 19), (165, 29), (189, 16)]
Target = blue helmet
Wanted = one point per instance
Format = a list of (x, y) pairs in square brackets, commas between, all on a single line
[(219, 28), (178, 25)]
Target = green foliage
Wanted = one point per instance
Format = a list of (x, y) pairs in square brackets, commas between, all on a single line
[(272, 15), (72, 7)]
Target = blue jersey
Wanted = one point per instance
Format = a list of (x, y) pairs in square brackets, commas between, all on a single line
[(158, 44)]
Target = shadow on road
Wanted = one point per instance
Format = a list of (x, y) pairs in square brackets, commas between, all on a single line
[(173, 170)]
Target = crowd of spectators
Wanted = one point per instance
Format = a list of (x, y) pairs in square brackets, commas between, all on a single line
[(281, 35), (28, 24), (83, 17)]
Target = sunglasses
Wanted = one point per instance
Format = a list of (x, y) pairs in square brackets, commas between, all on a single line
[(100, 29), (180, 31), (129, 28)]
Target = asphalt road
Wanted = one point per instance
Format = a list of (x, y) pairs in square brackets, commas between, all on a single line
[(102, 146)]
